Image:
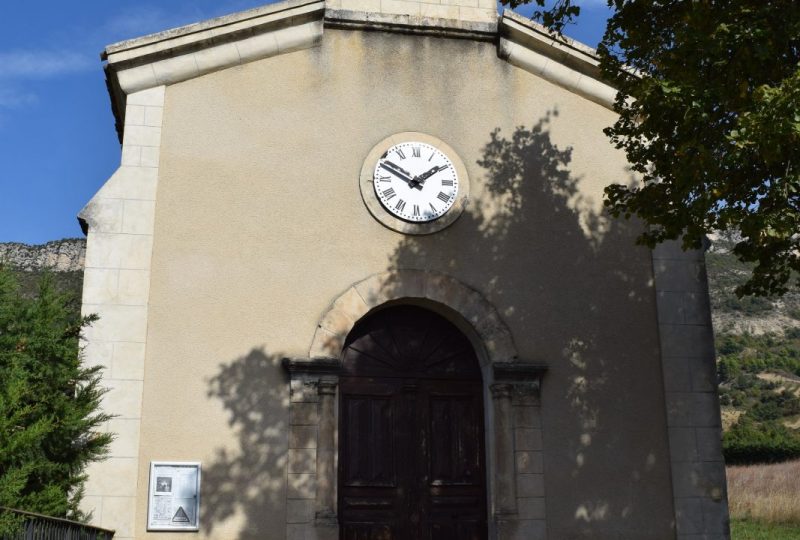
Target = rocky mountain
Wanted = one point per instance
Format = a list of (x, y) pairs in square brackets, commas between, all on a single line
[(65, 255), (64, 259), (755, 316)]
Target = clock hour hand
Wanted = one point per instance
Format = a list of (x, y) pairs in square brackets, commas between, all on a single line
[(398, 171), (420, 180)]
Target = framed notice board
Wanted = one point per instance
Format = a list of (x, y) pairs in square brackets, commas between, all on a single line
[(174, 496)]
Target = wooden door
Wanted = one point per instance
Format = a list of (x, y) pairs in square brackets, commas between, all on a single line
[(411, 460)]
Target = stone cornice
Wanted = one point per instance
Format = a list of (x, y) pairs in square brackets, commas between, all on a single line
[(191, 51), (518, 372), (565, 62), (411, 24), (194, 50), (213, 31), (316, 366), (536, 36)]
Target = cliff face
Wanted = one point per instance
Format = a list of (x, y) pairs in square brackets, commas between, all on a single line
[(746, 315), (58, 256), (63, 259)]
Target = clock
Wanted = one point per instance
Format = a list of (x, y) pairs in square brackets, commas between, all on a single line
[(414, 183)]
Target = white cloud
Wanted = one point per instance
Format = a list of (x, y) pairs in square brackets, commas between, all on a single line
[(12, 98), (37, 64)]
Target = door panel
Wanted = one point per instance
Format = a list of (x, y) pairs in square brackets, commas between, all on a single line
[(454, 454), (369, 445), (411, 460)]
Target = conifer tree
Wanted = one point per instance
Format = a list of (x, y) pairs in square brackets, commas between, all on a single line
[(49, 402)]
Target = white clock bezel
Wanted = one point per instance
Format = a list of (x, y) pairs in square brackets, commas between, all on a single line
[(384, 216)]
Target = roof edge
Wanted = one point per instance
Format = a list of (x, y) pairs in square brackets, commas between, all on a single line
[(190, 51), (197, 49), (199, 31), (560, 60), (547, 38), (481, 30)]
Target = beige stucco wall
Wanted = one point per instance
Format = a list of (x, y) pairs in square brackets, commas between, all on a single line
[(260, 225)]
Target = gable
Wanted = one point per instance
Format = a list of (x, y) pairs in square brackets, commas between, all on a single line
[(193, 51)]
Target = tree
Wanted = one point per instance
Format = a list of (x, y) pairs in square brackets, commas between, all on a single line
[(48, 402), (709, 116)]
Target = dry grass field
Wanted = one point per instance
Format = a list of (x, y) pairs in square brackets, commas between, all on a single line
[(765, 493)]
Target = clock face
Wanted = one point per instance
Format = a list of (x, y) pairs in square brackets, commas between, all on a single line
[(415, 181)]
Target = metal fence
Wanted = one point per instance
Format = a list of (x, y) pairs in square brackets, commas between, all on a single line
[(38, 527)]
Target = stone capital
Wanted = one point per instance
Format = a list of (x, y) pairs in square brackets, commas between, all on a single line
[(327, 386), (501, 390)]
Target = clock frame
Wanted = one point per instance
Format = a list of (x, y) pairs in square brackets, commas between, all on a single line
[(445, 197)]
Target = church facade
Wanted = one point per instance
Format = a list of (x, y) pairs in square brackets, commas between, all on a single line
[(354, 275)]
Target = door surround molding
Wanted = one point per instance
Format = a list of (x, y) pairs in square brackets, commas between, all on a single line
[(515, 483), (430, 288)]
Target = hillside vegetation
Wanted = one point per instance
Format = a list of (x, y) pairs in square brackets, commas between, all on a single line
[(758, 360)]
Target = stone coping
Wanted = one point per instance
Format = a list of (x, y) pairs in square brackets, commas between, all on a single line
[(411, 24), (194, 50), (562, 61), (537, 36), (205, 32), (191, 51)]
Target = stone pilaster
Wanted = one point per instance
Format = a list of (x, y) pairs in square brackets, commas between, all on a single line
[(519, 472), (325, 508), (505, 502), (690, 387), (119, 223), (311, 470)]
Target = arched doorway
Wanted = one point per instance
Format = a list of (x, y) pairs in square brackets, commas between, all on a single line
[(411, 434)]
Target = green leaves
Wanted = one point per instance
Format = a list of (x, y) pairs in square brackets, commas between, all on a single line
[(48, 402), (711, 122), (763, 442), (555, 17), (712, 126)]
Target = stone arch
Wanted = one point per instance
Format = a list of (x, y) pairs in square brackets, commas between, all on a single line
[(430, 287)]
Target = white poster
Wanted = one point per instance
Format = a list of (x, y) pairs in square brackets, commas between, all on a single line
[(174, 503)]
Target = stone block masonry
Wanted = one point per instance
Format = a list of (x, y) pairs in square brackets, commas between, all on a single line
[(311, 473), (119, 221), (693, 417), (520, 511)]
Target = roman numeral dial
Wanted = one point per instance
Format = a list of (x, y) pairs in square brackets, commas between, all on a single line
[(415, 181)]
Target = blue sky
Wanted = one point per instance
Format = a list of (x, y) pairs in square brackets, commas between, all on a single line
[(57, 139)]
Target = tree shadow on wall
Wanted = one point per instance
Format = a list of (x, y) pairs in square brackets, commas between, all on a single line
[(576, 294), (244, 482)]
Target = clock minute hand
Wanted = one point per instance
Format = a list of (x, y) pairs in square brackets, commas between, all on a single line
[(398, 171)]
